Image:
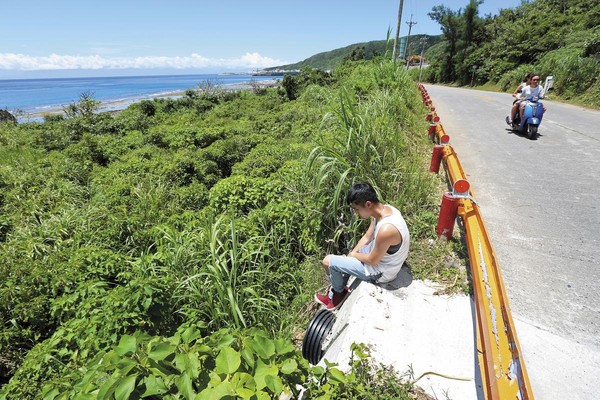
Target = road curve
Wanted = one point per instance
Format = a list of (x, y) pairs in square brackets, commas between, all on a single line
[(540, 201)]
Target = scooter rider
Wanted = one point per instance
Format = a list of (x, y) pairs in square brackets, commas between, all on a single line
[(531, 91)]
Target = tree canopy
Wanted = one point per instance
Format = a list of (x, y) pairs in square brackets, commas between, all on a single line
[(551, 37)]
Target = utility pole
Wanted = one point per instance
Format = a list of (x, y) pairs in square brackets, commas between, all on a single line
[(397, 30), (410, 25), (423, 42)]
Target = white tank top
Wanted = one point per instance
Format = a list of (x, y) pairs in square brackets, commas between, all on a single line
[(390, 264)]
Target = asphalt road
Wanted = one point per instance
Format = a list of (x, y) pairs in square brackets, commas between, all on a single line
[(540, 202)]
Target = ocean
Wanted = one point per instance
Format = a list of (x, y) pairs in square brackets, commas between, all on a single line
[(28, 98)]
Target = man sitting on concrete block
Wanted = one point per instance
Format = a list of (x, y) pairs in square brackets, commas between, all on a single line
[(379, 254)]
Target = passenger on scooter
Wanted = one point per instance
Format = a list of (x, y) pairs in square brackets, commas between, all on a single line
[(517, 95), (530, 92)]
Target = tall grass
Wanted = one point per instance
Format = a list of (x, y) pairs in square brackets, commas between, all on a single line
[(372, 138), (573, 74), (226, 290)]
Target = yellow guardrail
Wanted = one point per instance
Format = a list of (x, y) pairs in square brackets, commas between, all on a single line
[(503, 371)]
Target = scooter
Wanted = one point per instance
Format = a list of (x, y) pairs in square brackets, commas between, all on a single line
[(530, 121)]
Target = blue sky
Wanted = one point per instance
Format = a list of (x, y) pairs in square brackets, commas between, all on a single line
[(97, 38)]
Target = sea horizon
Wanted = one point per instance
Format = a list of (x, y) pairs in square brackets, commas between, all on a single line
[(125, 75), (31, 98)]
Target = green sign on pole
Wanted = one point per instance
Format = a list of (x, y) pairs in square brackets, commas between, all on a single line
[(402, 47)]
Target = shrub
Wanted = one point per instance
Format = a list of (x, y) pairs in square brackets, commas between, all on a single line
[(290, 87), (511, 79), (227, 152), (264, 159), (239, 194), (101, 314), (6, 116), (246, 364), (295, 224), (50, 118), (147, 107), (206, 137), (85, 107), (192, 197), (573, 74)]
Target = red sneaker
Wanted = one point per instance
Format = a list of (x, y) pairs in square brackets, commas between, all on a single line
[(337, 299), (324, 298)]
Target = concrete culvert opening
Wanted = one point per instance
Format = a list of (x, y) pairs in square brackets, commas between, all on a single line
[(318, 328)]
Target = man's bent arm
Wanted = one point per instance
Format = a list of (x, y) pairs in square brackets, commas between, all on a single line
[(366, 238), (387, 237)]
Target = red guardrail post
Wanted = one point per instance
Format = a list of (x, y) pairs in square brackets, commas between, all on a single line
[(449, 208), (448, 211), (433, 128), (438, 154)]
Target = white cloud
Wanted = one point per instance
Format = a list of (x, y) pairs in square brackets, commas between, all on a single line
[(22, 62)]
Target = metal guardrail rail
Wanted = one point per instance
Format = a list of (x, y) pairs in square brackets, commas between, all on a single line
[(503, 371)]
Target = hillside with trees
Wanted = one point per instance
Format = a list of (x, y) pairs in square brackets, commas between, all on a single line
[(549, 37), (368, 50)]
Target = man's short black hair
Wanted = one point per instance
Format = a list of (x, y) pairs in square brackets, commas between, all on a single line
[(360, 193)]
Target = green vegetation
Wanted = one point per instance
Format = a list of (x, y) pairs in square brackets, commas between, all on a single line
[(549, 37), (329, 60), (6, 116), (171, 250)]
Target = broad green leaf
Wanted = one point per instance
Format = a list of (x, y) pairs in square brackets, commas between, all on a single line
[(125, 365), (244, 393), (223, 389), (127, 345), (260, 395), (79, 396), (263, 347), (274, 384), (204, 395), (317, 371), (228, 361), (188, 363), (202, 349), (262, 371), (51, 394), (243, 380), (160, 371), (190, 334), (161, 352), (225, 341), (87, 378), (214, 379), (337, 376), (289, 366), (108, 388), (110, 358), (248, 357), (154, 385), (184, 384), (283, 346), (125, 387)]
